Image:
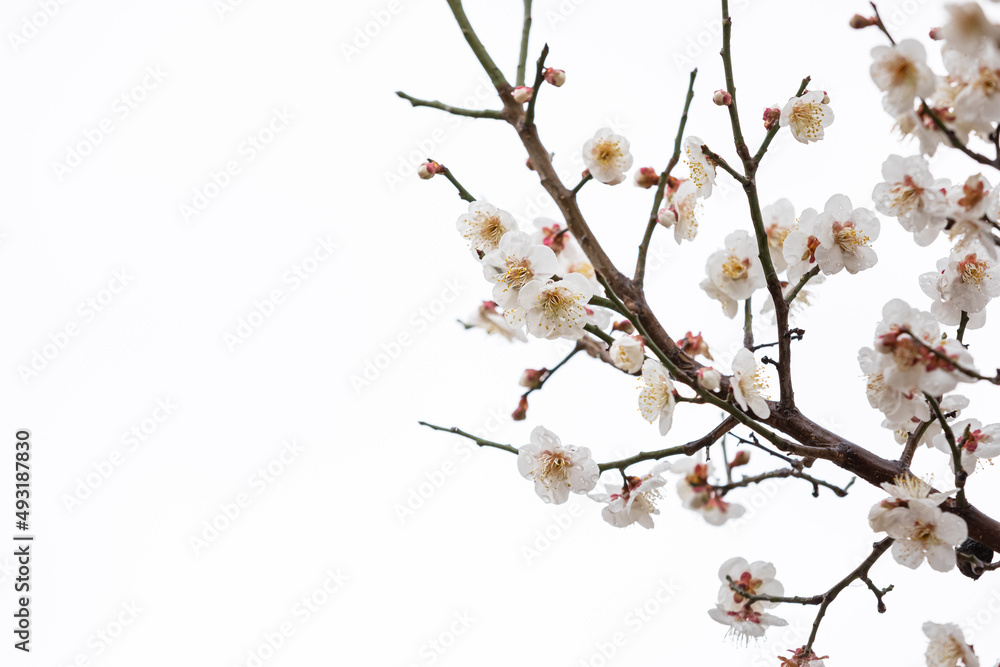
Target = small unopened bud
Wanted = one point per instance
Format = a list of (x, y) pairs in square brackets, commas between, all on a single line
[(741, 459), (667, 216), (722, 98), (522, 94), (709, 378), (694, 345), (624, 326), (646, 177), (826, 98), (529, 164), (429, 169), (858, 21), (556, 77), (585, 173), (533, 379), (935, 34), (771, 117), (522, 410)]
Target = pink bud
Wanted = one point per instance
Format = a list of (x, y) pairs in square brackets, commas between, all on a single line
[(556, 77), (694, 345), (771, 117), (532, 379), (522, 94), (624, 326), (741, 459), (935, 33), (522, 410), (858, 21), (646, 177), (585, 173), (429, 169), (722, 98)]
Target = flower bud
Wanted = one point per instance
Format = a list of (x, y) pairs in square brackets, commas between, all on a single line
[(556, 77), (771, 117), (709, 378), (522, 410), (646, 177), (741, 459), (533, 379), (667, 216), (624, 326), (722, 98), (429, 169), (522, 94), (858, 21), (694, 345), (935, 34)]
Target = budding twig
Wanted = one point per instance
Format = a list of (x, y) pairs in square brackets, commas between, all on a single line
[(457, 111), (462, 192), (529, 117), (523, 56), (479, 441)]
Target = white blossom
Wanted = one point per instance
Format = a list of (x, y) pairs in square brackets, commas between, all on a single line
[(607, 156), (747, 619), (516, 262), (489, 318), (965, 281), (729, 304), (555, 468), (922, 530), (844, 235), (911, 194), (947, 647), (974, 441), (702, 169), (698, 494), (656, 397), (901, 72), (680, 210), (800, 245), (484, 225), (556, 309), (779, 220), (627, 353), (635, 501), (806, 116), (736, 270), (748, 381)]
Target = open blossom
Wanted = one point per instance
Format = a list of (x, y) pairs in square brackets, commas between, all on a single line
[(844, 233), (801, 658), (607, 156), (903, 490), (698, 494), (948, 647), (516, 262), (488, 317), (484, 225), (800, 246), (747, 619), (748, 381), (923, 530), (965, 281), (729, 304), (702, 169), (977, 103), (627, 353), (911, 194), (552, 235), (806, 116), (656, 398), (680, 210), (967, 29), (974, 441), (555, 468), (779, 220), (736, 269), (635, 501), (901, 72), (908, 365), (557, 309), (899, 407)]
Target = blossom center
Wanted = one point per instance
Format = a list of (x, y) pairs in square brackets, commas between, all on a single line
[(807, 117), (973, 270), (906, 195), (847, 237), (518, 271), (988, 81), (607, 153), (554, 466), (735, 268)]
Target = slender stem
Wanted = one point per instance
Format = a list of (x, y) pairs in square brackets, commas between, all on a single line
[(529, 117), (725, 461), (964, 322), (689, 449), (774, 129), (953, 138), (591, 329), (718, 159), (582, 182), (640, 264), (912, 442), (457, 111), (881, 26), (479, 441), (951, 362), (748, 324), (794, 292), (786, 472), (462, 192), (523, 56), (496, 76), (549, 372), (956, 452), (606, 303)]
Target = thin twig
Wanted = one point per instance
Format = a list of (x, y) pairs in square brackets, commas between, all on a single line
[(479, 441), (457, 111), (523, 55)]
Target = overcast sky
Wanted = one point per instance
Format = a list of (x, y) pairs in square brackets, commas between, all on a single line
[(229, 301)]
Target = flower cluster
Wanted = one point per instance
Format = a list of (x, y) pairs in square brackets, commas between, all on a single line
[(745, 616)]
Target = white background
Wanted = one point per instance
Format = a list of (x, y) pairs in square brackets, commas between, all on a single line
[(421, 540)]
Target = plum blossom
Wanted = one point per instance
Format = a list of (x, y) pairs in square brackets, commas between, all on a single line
[(635, 501), (977, 102), (555, 468), (779, 220), (516, 262), (947, 647), (899, 407), (800, 245), (702, 168), (556, 309), (489, 318), (801, 658), (606, 156), (656, 397), (967, 29), (904, 490), (746, 618), (698, 494), (484, 225), (627, 353), (901, 72), (923, 530), (748, 381), (709, 378), (974, 441), (969, 202), (844, 233), (806, 116), (736, 270), (680, 209), (912, 195), (964, 282), (729, 304)]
